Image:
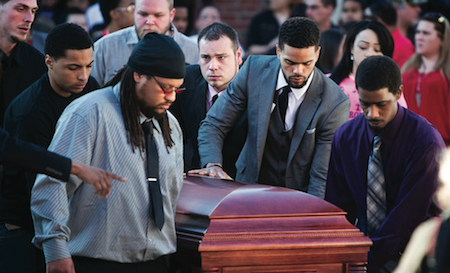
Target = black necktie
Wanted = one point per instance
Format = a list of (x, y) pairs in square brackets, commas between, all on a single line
[(283, 102), (156, 202), (214, 98)]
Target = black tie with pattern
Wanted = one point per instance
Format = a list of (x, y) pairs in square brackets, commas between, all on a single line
[(156, 202)]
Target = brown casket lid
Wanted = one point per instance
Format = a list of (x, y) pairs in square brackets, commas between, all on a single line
[(217, 214), (215, 198)]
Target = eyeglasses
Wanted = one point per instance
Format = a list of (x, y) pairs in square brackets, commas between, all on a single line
[(167, 91), (129, 8)]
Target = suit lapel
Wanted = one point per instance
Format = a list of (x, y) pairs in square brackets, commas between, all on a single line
[(265, 90), (306, 113), (200, 100), (195, 107)]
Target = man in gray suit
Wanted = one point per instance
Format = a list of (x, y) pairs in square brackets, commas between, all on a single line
[(293, 112)]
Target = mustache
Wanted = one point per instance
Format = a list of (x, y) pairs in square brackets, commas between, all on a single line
[(297, 76)]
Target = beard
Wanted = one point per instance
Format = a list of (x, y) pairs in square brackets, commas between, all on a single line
[(141, 32), (16, 39), (295, 85), (151, 112)]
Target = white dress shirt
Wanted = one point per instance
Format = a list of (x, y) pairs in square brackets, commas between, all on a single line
[(295, 98)]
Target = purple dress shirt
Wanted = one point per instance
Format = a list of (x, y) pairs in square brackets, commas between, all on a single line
[(410, 151)]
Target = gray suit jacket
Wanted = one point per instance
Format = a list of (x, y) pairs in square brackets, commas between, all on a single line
[(323, 110)]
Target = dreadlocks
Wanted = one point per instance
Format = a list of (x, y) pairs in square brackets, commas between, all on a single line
[(131, 113)]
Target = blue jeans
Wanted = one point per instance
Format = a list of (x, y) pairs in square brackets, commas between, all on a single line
[(18, 254)]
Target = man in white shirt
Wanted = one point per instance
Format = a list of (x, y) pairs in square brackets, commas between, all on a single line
[(111, 52)]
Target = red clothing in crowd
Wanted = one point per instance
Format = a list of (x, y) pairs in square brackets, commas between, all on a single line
[(403, 48), (435, 98)]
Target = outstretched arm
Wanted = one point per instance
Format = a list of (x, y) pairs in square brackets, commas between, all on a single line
[(29, 157), (95, 176)]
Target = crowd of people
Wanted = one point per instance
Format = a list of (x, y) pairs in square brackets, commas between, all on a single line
[(353, 110)]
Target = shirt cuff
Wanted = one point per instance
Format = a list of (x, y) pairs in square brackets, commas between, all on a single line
[(55, 249)]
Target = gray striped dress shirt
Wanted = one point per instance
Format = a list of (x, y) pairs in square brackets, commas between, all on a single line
[(112, 52), (69, 218)]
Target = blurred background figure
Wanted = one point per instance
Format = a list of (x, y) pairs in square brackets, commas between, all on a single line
[(352, 11), (94, 16), (263, 31), (181, 19), (320, 11), (117, 14), (207, 15), (76, 16), (386, 14), (44, 21), (81, 4), (407, 15), (426, 74), (331, 43), (299, 10), (428, 249), (366, 38)]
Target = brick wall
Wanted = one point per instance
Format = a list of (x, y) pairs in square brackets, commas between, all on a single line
[(238, 14)]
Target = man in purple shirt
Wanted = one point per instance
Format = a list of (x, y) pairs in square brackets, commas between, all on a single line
[(410, 147)]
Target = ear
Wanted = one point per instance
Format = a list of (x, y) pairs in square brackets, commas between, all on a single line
[(318, 52), (112, 14), (330, 9), (137, 77), (49, 61), (278, 49), (172, 14), (399, 92), (239, 55)]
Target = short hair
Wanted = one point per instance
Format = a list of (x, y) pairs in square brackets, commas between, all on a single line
[(106, 6), (385, 11), (171, 4), (378, 72), (299, 32), (217, 30), (66, 36), (329, 2)]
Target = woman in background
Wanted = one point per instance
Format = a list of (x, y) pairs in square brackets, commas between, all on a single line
[(364, 39), (426, 74)]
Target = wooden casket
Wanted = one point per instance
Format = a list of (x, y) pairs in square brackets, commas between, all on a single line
[(225, 226)]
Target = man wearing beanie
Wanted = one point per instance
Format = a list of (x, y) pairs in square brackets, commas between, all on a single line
[(119, 128)]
